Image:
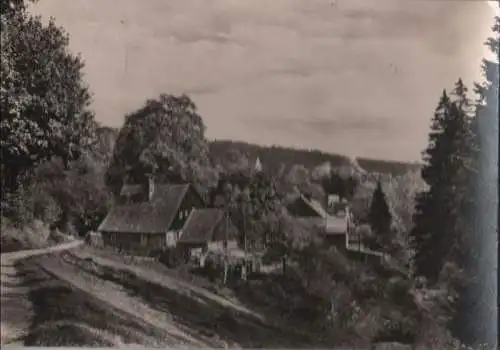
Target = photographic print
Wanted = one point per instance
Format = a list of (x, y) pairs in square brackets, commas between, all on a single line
[(249, 173)]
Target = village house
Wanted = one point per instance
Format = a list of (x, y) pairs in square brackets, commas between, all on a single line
[(149, 217), (333, 225), (208, 229)]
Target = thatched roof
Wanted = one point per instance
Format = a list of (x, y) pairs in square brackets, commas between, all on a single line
[(153, 216), (200, 225)]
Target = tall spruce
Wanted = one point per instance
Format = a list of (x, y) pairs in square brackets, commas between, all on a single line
[(479, 311), (440, 231), (379, 217)]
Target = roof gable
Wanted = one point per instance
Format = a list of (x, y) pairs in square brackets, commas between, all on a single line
[(154, 216), (303, 207), (200, 225)]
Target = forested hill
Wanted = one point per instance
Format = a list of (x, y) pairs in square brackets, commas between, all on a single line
[(276, 156)]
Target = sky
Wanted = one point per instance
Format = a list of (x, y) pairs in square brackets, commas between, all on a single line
[(355, 77)]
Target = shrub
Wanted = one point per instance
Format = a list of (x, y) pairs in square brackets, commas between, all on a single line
[(35, 234), (171, 257)]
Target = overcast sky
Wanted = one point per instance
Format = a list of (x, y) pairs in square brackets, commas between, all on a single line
[(359, 77)]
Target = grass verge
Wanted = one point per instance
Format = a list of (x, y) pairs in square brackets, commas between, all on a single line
[(67, 317)]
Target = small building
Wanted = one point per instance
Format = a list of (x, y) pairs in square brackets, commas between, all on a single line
[(149, 217), (208, 229), (334, 226)]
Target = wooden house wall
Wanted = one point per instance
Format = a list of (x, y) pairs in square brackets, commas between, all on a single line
[(135, 243), (191, 200), (225, 230)]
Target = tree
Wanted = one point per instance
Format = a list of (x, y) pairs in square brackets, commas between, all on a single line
[(166, 137), (8, 7), (440, 229), (478, 314), (443, 230), (379, 217), (343, 187), (401, 192), (44, 100), (253, 205), (235, 161)]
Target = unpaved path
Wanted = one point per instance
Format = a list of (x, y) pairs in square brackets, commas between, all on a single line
[(17, 311)]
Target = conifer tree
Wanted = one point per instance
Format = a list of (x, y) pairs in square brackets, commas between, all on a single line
[(478, 315), (440, 231), (379, 217)]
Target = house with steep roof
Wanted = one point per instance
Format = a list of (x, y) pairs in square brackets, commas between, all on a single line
[(149, 217), (333, 224), (208, 229)]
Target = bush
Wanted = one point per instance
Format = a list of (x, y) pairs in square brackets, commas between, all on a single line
[(172, 257), (33, 235)]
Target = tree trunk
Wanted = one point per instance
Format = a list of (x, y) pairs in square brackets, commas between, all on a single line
[(226, 267), (244, 267)]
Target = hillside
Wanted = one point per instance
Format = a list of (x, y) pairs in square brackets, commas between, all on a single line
[(274, 158), (277, 159)]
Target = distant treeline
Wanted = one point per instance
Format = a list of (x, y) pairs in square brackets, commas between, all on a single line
[(275, 157)]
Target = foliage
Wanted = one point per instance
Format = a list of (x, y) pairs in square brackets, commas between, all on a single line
[(9, 7), (252, 201), (380, 218), (343, 187), (401, 193), (166, 137), (35, 234), (478, 313), (72, 198), (440, 231), (275, 158), (45, 103)]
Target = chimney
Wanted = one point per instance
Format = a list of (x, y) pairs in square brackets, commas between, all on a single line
[(150, 186)]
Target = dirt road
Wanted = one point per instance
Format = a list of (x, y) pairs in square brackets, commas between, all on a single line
[(80, 297), (17, 311)]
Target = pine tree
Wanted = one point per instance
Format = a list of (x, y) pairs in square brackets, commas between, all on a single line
[(379, 217), (477, 315), (440, 227)]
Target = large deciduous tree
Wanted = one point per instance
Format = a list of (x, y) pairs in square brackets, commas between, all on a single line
[(166, 137), (253, 203), (44, 100)]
